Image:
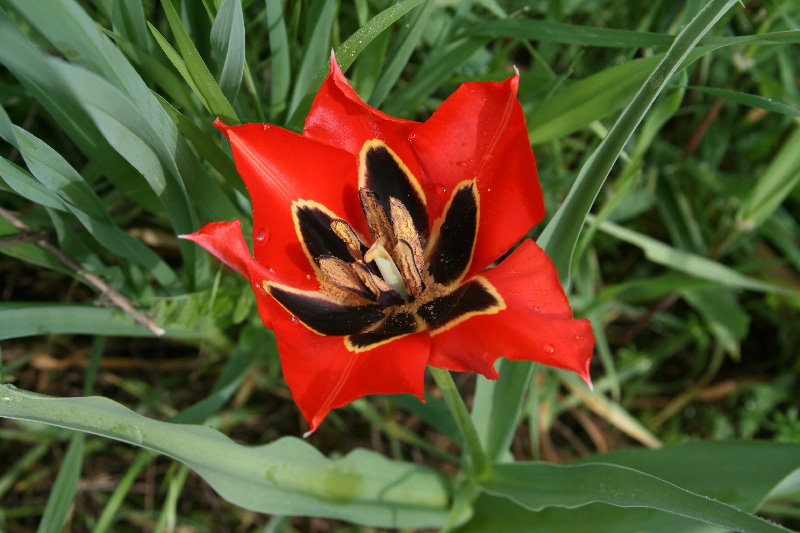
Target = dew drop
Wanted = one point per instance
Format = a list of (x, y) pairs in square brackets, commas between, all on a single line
[(308, 276), (295, 320), (263, 235), (462, 164), (265, 127), (485, 133), (412, 136), (463, 144), (578, 337), (483, 99), (472, 90), (489, 189), (271, 270), (441, 190), (548, 348)]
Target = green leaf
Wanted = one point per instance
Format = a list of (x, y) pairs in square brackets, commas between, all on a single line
[(752, 100), (347, 52), (537, 486), (688, 262), (773, 185), (62, 495), (287, 476), (498, 417), (316, 48), (281, 71), (196, 70), (398, 58), (560, 32), (24, 319), (227, 40)]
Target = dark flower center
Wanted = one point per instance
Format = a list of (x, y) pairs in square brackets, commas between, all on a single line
[(409, 279)]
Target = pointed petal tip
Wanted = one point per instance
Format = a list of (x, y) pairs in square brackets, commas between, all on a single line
[(333, 68), (221, 126)]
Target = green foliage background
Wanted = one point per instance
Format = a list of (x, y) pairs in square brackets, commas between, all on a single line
[(686, 258)]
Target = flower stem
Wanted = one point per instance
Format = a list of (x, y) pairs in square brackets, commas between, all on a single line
[(478, 462)]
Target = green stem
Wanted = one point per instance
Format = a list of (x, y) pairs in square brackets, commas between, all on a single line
[(478, 462)]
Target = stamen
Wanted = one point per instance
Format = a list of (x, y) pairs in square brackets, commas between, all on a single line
[(383, 292), (391, 275), (403, 226), (376, 216), (340, 274), (343, 230), (408, 267)]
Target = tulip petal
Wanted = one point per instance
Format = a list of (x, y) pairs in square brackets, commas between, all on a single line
[(323, 315), (453, 238), (225, 242), (383, 173), (479, 133), (279, 168), (536, 325), (323, 374), (339, 117)]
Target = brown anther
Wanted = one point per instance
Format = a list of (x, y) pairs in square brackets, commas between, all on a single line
[(408, 267), (377, 219), (343, 230), (403, 228), (342, 275), (384, 293)]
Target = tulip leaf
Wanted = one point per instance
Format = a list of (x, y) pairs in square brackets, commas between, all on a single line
[(764, 465), (227, 40), (288, 476), (501, 400), (537, 486)]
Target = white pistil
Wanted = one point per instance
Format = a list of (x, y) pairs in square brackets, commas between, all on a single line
[(389, 271)]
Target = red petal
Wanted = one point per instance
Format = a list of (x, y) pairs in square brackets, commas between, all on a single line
[(479, 131), (323, 374), (537, 324), (280, 167), (225, 242), (340, 118)]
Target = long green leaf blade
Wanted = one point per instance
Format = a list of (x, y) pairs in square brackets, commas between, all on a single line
[(288, 476)]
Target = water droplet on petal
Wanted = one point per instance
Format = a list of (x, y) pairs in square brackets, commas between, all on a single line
[(485, 133), (441, 190), (548, 348), (412, 136), (483, 99), (263, 235), (462, 164), (295, 320), (463, 144), (578, 337), (265, 127), (271, 270), (308, 276)]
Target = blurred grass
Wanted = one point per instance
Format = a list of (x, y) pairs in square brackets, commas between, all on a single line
[(690, 268)]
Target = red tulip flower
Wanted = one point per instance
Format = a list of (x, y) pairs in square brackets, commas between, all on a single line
[(374, 238)]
